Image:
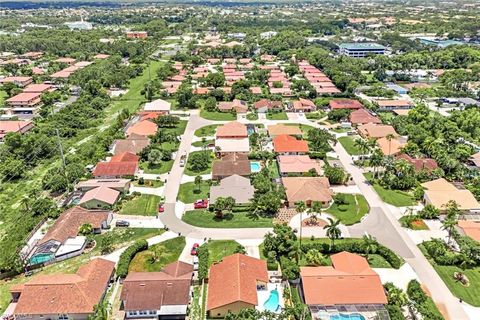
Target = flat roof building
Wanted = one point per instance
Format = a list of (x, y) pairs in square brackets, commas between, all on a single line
[(361, 49)]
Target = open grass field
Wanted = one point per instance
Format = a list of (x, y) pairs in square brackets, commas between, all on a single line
[(207, 219), (144, 205)]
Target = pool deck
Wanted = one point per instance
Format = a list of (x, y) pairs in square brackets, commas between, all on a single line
[(263, 296)]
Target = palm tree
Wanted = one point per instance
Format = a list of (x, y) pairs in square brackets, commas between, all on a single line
[(362, 146), (389, 138), (449, 225), (300, 207), (370, 244), (314, 210), (333, 230), (376, 160), (198, 182)]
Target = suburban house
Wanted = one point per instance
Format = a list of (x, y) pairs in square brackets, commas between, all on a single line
[(308, 190), (336, 288), (239, 106), (24, 103), (389, 105), (98, 198), (158, 106), (137, 34), (226, 146), (426, 164), (474, 159), (297, 165), (345, 104), (14, 126), (392, 146), (398, 89), (439, 192), (235, 186), (469, 228), (121, 185), (62, 240), (231, 164), (232, 130), (39, 88), (234, 283), (143, 128), (281, 129), (133, 143), (159, 295), (303, 105), (362, 116), (376, 131), (64, 296), (116, 169), (288, 145), (18, 81), (264, 105)]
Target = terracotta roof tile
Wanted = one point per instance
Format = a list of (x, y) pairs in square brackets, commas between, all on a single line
[(285, 143)]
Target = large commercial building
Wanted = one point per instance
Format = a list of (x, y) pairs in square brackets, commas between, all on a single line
[(361, 49)]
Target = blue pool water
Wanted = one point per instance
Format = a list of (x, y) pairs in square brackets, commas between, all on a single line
[(255, 166), (272, 303), (250, 130), (344, 316)]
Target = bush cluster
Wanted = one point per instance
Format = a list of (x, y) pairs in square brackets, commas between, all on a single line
[(203, 256), (127, 256), (422, 302)]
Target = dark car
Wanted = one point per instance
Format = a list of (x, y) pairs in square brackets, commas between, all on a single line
[(122, 223)]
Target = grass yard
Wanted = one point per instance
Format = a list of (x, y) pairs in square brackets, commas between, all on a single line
[(206, 131), (415, 225), (122, 238), (3, 97), (144, 205), (162, 168), (394, 197), (157, 256), (179, 129), (349, 144), (470, 294), (188, 192), (218, 249), (149, 183), (189, 171), (207, 219), (273, 170), (352, 212), (200, 144), (252, 116), (277, 115), (217, 115)]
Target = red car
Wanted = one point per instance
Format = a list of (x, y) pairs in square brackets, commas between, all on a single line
[(161, 208), (201, 204), (194, 250)]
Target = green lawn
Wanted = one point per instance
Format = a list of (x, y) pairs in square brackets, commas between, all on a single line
[(3, 96), (200, 144), (206, 131), (349, 144), (123, 236), (179, 129), (144, 205), (164, 167), (273, 170), (277, 116), (157, 256), (218, 249), (188, 169), (252, 116), (217, 116), (394, 197), (188, 192), (352, 212), (207, 219), (470, 294), (149, 183), (415, 225)]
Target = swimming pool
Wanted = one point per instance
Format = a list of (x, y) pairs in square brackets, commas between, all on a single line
[(347, 316), (273, 301), (255, 166)]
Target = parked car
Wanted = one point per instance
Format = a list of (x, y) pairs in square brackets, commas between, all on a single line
[(194, 250), (201, 204), (122, 223), (161, 208), (183, 160)]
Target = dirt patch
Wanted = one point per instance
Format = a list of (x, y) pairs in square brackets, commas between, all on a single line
[(313, 223)]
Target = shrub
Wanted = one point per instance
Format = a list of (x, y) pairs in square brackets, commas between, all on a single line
[(203, 256), (429, 212), (343, 207), (127, 256), (422, 302), (290, 269), (340, 198), (395, 312)]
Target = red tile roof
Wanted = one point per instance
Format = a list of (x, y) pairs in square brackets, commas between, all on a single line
[(125, 157), (285, 143), (115, 169), (143, 128), (420, 164), (349, 280), (232, 129), (345, 104), (235, 280), (362, 116)]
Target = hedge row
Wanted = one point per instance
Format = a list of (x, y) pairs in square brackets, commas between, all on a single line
[(203, 256), (357, 246), (127, 256), (423, 303)]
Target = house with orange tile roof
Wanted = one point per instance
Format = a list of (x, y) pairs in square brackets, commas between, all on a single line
[(232, 130), (391, 147), (279, 129), (389, 105), (419, 164), (439, 192), (14, 126), (142, 128), (24, 103), (297, 164), (115, 169), (308, 190), (303, 105), (362, 116), (239, 106), (18, 81), (376, 131), (345, 104), (287, 145), (264, 105), (69, 296), (348, 285), (125, 157), (39, 88), (233, 284), (469, 228), (99, 198)]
